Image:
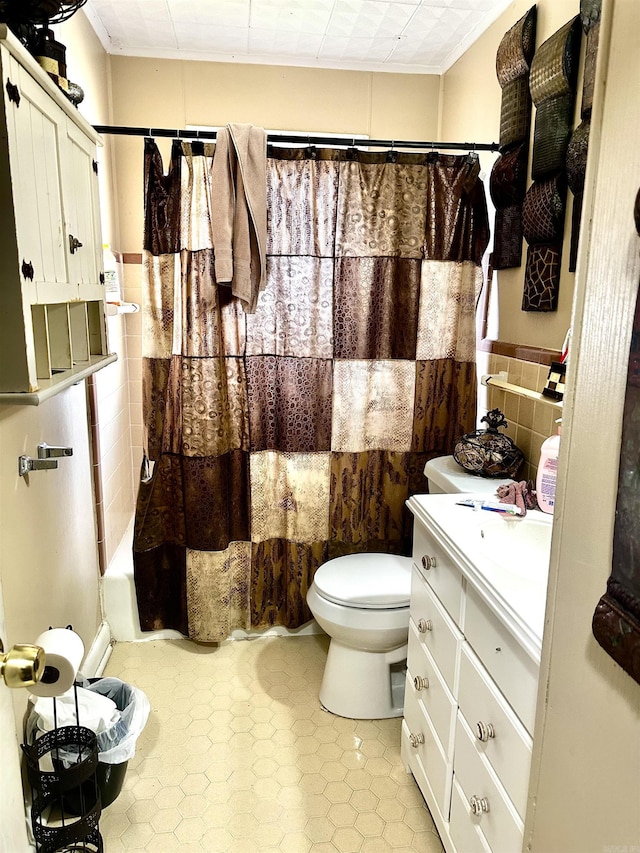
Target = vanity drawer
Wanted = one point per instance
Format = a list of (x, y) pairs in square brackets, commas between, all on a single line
[(426, 760), (500, 823), (515, 673), (508, 748), (443, 577), (430, 690), (435, 629), (464, 831)]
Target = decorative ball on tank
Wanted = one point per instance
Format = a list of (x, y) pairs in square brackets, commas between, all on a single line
[(487, 452)]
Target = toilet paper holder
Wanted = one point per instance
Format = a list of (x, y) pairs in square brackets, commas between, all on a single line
[(23, 665), (47, 454)]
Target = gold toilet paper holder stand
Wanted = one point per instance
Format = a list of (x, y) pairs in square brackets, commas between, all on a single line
[(23, 665)]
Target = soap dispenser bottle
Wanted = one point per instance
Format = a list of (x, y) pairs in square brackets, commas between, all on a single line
[(548, 472)]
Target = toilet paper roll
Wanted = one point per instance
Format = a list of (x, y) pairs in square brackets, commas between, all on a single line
[(63, 653)]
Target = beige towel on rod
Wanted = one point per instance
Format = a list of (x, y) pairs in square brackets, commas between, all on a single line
[(239, 214)]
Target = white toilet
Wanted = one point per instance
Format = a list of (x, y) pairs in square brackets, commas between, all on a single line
[(445, 476), (362, 602)]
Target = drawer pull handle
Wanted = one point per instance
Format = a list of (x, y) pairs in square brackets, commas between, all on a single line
[(484, 731), (416, 740), (429, 562), (479, 805), (425, 625), (421, 682)]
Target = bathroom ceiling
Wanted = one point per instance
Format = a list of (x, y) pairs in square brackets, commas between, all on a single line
[(417, 36)]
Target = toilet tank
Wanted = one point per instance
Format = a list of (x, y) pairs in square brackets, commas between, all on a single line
[(445, 476)]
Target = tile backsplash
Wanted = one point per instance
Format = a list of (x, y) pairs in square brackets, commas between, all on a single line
[(530, 421)]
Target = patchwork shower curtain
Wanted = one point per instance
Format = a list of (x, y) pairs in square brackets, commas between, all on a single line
[(280, 439)]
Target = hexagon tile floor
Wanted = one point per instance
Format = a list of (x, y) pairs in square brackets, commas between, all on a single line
[(238, 756)]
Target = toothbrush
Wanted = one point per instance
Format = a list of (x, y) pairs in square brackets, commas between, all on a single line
[(504, 509)]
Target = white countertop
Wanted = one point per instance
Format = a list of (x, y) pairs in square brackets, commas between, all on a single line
[(504, 558)]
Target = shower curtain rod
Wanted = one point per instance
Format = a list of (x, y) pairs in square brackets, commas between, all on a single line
[(351, 141)]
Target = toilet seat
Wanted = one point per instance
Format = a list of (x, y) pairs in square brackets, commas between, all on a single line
[(366, 581)]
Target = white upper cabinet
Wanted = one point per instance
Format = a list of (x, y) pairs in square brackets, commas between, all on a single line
[(52, 285)]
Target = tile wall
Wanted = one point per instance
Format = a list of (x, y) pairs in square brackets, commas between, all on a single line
[(530, 421), (132, 278), (118, 421)]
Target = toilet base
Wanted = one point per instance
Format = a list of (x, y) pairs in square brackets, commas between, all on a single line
[(363, 685)]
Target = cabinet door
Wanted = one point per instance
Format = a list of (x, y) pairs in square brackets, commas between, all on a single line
[(35, 125), (80, 193), (499, 734)]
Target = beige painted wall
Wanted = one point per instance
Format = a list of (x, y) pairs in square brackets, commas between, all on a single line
[(471, 111), (175, 94), (48, 560)]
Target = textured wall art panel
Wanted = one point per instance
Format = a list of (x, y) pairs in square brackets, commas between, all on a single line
[(578, 147), (508, 176), (553, 79)]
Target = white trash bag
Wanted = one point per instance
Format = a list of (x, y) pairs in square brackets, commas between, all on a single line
[(118, 742), (116, 736)]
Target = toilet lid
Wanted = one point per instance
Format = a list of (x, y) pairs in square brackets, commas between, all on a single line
[(366, 580)]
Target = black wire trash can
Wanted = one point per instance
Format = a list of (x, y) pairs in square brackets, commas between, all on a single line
[(115, 745), (52, 782)]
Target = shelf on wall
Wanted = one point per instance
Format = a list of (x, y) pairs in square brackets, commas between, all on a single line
[(496, 380), (58, 382)]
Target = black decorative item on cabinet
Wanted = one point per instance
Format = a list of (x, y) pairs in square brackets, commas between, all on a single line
[(29, 20), (25, 17), (65, 796), (487, 452)]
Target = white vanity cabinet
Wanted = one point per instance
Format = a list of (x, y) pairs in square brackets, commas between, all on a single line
[(470, 697), (52, 284)]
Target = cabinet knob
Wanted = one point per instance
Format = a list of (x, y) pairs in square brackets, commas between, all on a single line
[(416, 740), (429, 562), (484, 731), (479, 805), (74, 244), (421, 682), (425, 625)]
